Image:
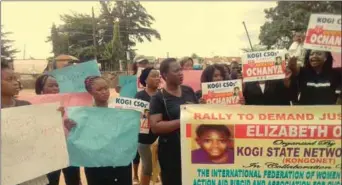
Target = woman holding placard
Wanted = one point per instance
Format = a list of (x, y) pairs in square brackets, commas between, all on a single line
[(165, 119), (9, 88), (47, 84), (150, 79), (212, 73), (99, 89), (319, 83)]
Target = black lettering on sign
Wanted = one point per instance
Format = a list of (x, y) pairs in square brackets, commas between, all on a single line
[(229, 84), (270, 54), (254, 55), (325, 20), (214, 85)]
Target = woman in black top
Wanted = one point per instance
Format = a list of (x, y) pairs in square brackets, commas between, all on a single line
[(165, 119), (99, 89), (46, 84), (318, 82), (150, 79)]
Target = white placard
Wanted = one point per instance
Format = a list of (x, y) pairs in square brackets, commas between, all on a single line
[(32, 142)]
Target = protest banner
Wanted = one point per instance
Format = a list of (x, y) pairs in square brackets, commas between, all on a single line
[(192, 79), (128, 86), (103, 136), (261, 145), (263, 65), (137, 105), (32, 142), (71, 78), (324, 33), (223, 92), (66, 99)]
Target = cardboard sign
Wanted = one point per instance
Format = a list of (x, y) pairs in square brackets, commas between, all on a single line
[(71, 78), (137, 105), (261, 145), (103, 136), (66, 100), (32, 142), (324, 33), (263, 65), (192, 78), (130, 103), (223, 92), (128, 86)]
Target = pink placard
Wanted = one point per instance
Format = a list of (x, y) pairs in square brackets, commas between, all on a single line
[(337, 60), (67, 100), (192, 78)]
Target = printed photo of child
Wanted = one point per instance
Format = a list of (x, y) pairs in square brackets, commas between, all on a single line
[(215, 145), (278, 60), (236, 91)]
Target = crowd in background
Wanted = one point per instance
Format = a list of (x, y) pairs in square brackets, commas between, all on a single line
[(314, 82)]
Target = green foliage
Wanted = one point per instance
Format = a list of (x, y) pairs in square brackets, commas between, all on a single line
[(75, 35), (7, 50), (113, 51), (255, 48), (288, 16)]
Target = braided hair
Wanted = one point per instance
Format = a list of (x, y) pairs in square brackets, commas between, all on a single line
[(40, 83), (89, 81)]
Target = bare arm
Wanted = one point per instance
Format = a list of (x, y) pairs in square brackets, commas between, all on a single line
[(158, 126)]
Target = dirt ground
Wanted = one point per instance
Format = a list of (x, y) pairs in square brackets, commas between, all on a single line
[(27, 92)]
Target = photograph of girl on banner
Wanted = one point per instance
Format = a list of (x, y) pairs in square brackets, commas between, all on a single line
[(215, 145)]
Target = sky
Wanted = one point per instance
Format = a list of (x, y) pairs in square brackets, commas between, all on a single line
[(205, 28)]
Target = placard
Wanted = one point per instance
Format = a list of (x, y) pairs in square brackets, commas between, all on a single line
[(263, 65), (137, 105), (103, 136), (66, 100), (71, 78), (324, 33), (223, 92), (261, 145), (128, 86), (32, 142)]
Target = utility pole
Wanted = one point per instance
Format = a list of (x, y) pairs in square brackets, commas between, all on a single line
[(249, 39), (24, 52), (94, 32), (167, 54)]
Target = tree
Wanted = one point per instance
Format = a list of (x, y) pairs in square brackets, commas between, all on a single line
[(134, 22), (288, 16), (59, 40), (7, 51), (113, 51), (74, 37), (255, 48)]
